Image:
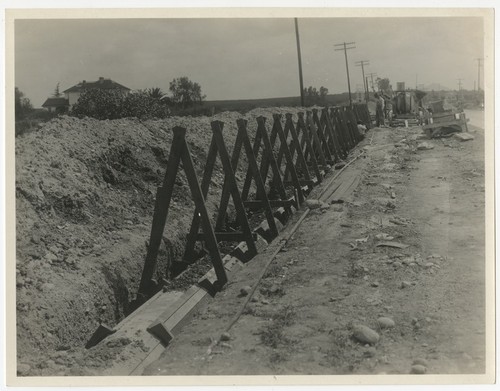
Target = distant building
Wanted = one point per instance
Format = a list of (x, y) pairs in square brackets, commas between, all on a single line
[(73, 93), (57, 105)]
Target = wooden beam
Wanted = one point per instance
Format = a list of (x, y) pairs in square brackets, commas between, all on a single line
[(227, 236), (162, 203), (202, 213), (253, 168)]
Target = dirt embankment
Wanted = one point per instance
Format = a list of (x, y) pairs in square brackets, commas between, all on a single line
[(84, 202)]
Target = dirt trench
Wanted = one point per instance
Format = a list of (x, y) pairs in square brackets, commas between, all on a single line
[(84, 203)]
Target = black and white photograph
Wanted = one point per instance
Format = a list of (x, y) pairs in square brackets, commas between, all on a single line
[(282, 196)]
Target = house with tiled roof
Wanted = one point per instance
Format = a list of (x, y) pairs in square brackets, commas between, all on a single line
[(55, 104), (73, 93)]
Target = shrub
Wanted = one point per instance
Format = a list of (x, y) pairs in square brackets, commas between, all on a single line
[(142, 104), (99, 104), (23, 105), (113, 104)]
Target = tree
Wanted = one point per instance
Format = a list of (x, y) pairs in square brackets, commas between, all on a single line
[(155, 93), (185, 92), (57, 94), (314, 96), (23, 105), (384, 85)]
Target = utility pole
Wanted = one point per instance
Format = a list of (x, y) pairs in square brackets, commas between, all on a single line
[(459, 95), (345, 48), (416, 81), (362, 64), (371, 76), (300, 63), (479, 64), (367, 91)]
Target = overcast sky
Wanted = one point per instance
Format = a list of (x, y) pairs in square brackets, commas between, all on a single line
[(243, 58)]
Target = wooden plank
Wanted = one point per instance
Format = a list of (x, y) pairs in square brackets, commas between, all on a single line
[(321, 135), (273, 203), (221, 215), (268, 159), (217, 127), (332, 137), (443, 124), (205, 183), (208, 230), (339, 131), (350, 135), (241, 250), (268, 152), (309, 151), (302, 182), (265, 232), (226, 236), (159, 331), (295, 146), (101, 332), (353, 123), (255, 150), (288, 156), (254, 169), (162, 203), (315, 139)]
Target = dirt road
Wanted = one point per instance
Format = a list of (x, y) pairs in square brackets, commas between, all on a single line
[(341, 270)]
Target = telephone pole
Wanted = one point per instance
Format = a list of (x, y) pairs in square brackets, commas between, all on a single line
[(362, 64), (345, 46), (367, 91), (371, 77), (301, 82), (459, 95), (479, 64)]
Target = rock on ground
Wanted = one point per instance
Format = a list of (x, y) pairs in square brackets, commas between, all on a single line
[(364, 334), (385, 323), (418, 370)]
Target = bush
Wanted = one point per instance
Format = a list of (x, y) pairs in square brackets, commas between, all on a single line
[(24, 126), (99, 104), (33, 121), (23, 106), (113, 104), (142, 105)]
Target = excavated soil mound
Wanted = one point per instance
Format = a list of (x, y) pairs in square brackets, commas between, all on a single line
[(84, 203)]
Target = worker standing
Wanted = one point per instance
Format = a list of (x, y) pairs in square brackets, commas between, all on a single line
[(389, 110), (379, 114)]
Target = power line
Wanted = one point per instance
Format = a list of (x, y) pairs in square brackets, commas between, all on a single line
[(345, 48), (362, 64)]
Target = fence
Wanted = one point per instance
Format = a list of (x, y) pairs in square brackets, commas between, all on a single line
[(289, 161)]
